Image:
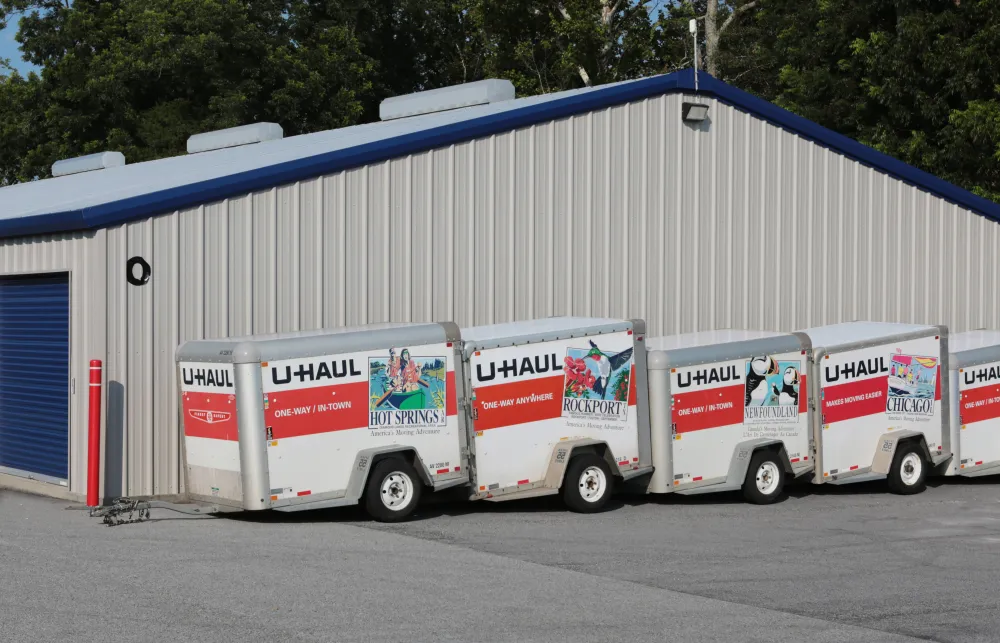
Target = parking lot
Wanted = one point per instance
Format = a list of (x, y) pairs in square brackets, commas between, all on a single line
[(826, 564)]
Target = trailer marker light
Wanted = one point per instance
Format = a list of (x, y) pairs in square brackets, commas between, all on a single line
[(263, 364), (963, 466), (440, 471), (477, 353), (635, 459), (963, 427), (561, 439), (805, 457), (630, 332), (274, 444), (826, 475), (803, 352), (623, 463), (677, 482), (696, 479), (939, 448), (482, 487), (673, 370), (854, 467), (936, 337), (303, 493), (449, 344), (521, 482), (979, 463), (479, 434), (795, 460), (273, 498), (458, 468), (961, 370), (677, 437)]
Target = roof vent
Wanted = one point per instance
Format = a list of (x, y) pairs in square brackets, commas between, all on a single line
[(234, 136), (89, 163), (481, 92)]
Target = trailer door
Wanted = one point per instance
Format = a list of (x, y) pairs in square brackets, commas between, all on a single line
[(979, 417)]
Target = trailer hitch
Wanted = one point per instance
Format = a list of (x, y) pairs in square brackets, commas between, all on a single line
[(123, 511)]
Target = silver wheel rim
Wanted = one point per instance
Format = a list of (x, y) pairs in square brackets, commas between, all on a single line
[(910, 469), (593, 484), (397, 491), (767, 478)]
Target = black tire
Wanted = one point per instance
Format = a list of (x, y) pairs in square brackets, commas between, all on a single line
[(765, 481), (578, 493), (904, 477), (388, 475)]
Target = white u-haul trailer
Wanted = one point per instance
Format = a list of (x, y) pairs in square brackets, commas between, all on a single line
[(728, 411), (879, 408), (975, 403), (376, 414)]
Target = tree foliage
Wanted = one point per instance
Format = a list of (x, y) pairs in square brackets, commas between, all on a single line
[(914, 79)]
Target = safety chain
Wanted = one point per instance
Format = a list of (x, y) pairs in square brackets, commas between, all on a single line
[(137, 510)]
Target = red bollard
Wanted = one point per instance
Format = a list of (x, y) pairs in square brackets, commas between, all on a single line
[(94, 441)]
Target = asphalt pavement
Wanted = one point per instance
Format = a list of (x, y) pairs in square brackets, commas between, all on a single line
[(827, 564)]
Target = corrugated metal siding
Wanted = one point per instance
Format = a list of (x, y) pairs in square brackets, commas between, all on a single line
[(626, 211), (34, 375)]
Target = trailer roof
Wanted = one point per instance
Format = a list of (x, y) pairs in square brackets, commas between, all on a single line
[(133, 192), (860, 331), (533, 328), (706, 338), (973, 340)]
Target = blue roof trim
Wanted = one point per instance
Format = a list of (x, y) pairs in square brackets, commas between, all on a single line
[(147, 205), (847, 146)]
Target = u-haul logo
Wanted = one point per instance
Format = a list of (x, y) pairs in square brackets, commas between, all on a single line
[(210, 417)]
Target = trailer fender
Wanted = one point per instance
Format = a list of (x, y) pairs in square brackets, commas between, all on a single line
[(564, 451), (889, 442), (366, 459), (743, 453)]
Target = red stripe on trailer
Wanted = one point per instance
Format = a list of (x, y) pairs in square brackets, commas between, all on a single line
[(521, 482), (696, 479), (855, 399), (440, 471), (980, 404), (795, 460), (853, 467), (497, 407), (321, 409), (708, 409), (631, 387), (803, 394), (303, 493), (623, 463), (451, 404), (937, 385), (210, 415)]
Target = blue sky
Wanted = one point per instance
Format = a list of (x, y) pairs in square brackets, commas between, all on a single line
[(8, 49)]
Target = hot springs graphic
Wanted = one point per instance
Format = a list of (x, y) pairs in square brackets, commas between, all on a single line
[(406, 391), (912, 384), (771, 392), (596, 383)]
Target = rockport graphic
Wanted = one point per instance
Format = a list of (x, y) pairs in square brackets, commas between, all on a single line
[(912, 384), (771, 392), (407, 391), (596, 383)]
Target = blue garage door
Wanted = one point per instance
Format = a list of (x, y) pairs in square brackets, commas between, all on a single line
[(34, 375)]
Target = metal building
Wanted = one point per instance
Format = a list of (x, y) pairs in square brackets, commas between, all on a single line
[(467, 205)]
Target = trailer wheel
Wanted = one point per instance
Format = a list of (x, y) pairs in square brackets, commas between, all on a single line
[(392, 491), (588, 484), (765, 478), (909, 470)]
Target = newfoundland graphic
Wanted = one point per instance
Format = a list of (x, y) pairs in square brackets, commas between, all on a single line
[(406, 391), (912, 384), (596, 384), (771, 392)]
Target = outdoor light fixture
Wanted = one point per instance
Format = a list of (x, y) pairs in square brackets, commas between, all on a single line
[(694, 112)]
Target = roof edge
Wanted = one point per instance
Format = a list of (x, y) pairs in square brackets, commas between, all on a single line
[(170, 200), (846, 146)]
